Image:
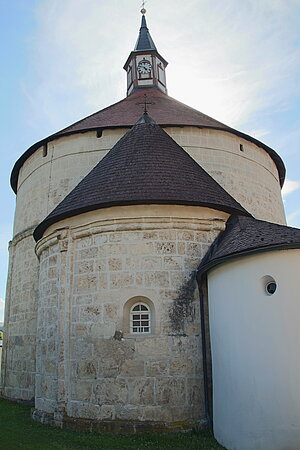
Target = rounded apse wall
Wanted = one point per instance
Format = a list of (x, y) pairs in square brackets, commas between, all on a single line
[(118, 334)]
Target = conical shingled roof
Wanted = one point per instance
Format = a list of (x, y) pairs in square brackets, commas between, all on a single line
[(246, 235), (144, 41), (146, 166), (165, 110)]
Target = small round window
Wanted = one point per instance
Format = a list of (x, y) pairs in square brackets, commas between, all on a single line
[(269, 285)]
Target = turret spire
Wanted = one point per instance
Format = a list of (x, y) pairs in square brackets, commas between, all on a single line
[(144, 41), (145, 67)]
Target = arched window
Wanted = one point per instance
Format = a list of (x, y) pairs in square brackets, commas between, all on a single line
[(140, 318)]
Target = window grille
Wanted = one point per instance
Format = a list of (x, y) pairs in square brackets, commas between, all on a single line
[(140, 318)]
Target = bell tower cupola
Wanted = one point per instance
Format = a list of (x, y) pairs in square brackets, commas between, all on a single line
[(145, 67)]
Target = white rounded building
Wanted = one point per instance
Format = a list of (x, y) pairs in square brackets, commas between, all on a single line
[(106, 325)]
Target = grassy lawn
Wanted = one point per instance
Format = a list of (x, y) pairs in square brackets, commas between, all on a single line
[(18, 431)]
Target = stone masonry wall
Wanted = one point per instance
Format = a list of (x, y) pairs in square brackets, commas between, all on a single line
[(18, 359), (90, 366)]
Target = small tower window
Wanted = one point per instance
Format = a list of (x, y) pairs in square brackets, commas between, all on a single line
[(269, 285), (45, 150), (241, 147), (140, 318)]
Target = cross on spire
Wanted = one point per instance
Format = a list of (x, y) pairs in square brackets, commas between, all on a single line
[(145, 103)]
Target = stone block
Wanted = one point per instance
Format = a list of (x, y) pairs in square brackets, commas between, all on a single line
[(139, 278), (121, 350), (110, 311), (153, 235), (182, 366), (100, 239), (165, 248), (88, 253), (173, 262), (157, 279), (102, 281), (121, 280), (52, 272), (83, 410), (107, 412), (50, 366), (85, 242), (115, 264), (133, 264), (167, 235), (155, 368), (191, 263), (153, 347), (87, 283), (86, 369), (128, 412), (195, 391), (109, 367), (133, 368), (85, 267), (170, 391), (111, 391), (157, 414), (102, 330), (186, 235), (141, 391), (100, 265), (82, 299), (81, 390), (89, 313), (151, 263), (194, 250), (140, 248), (111, 249), (181, 248)]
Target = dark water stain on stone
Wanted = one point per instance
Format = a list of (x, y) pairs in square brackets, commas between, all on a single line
[(182, 307), (118, 335)]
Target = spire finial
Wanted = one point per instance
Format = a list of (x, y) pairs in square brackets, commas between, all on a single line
[(143, 10)]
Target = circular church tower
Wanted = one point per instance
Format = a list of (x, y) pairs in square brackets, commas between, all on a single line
[(114, 215)]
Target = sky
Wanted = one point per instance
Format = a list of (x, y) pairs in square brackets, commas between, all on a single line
[(237, 61)]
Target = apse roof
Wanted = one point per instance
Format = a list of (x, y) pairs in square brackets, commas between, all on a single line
[(146, 166), (165, 110), (246, 235)]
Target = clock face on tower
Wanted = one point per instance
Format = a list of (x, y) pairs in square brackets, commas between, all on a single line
[(144, 67)]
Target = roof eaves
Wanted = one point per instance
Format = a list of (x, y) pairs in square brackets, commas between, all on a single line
[(50, 220), (203, 269)]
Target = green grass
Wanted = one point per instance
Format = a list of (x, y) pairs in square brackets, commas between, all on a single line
[(19, 431)]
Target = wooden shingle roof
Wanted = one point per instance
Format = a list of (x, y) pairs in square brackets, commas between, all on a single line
[(246, 235), (146, 166), (165, 110)]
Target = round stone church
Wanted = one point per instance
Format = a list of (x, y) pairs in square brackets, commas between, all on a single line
[(152, 277)]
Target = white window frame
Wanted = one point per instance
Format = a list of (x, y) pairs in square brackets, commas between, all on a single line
[(139, 326)]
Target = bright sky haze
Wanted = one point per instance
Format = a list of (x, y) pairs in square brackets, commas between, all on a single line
[(236, 61)]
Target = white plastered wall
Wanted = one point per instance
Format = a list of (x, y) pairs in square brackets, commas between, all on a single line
[(255, 352)]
